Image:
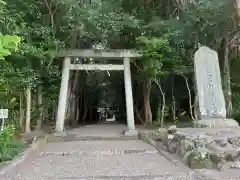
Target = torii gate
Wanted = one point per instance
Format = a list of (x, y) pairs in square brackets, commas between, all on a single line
[(124, 55)]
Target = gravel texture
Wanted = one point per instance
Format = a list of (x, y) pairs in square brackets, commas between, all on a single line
[(98, 164), (79, 160)]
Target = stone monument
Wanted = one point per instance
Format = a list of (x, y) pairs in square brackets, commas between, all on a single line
[(209, 90)]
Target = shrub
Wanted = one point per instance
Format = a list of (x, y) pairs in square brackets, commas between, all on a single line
[(10, 146), (236, 116)]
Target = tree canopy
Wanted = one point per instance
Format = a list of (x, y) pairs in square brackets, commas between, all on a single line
[(167, 33)]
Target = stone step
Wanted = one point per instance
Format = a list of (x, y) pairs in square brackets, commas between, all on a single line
[(123, 177), (98, 146), (229, 174), (143, 177), (89, 138), (97, 153)]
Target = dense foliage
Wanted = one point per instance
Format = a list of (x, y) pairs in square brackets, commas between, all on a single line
[(167, 33), (10, 145)]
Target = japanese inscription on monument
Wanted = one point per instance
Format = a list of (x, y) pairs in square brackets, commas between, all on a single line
[(209, 86)]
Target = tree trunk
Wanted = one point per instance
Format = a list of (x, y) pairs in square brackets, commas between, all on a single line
[(163, 106), (73, 110), (69, 99), (74, 100), (147, 84), (40, 107), (80, 106), (139, 108), (28, 110), (85, 109), (197, 114), (78, 110), (227, 79), (138, 114), (189, 97), (21, 120)]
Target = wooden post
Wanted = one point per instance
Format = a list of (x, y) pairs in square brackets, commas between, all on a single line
[(128, 94), (63, 96)]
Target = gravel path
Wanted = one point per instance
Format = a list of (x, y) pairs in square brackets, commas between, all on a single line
[(98, 159), (77, 160)]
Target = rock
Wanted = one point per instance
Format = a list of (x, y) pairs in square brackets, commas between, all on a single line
[(202, 148), (220, 141), (201, 140), (235, 141), (223, 148), (172, 129), (223, 166), (170, 137), (162, 135), (162, 130), (186, 156), (144, 135), (200, 143), (199, 159), (173, 145), (201, 136), (235, 165), (185, 146), (218, 160), (221, 153)]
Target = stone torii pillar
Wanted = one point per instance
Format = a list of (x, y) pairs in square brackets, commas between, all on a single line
[(129, 98), (63, 96)]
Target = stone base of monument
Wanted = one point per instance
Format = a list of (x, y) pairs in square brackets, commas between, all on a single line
[(130, 132), (200, 148), (216, 123), (60, 134)]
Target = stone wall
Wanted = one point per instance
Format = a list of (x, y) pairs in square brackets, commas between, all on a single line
[(200, 147)]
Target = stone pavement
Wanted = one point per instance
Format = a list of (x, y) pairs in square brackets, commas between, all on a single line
[(98, 159)]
